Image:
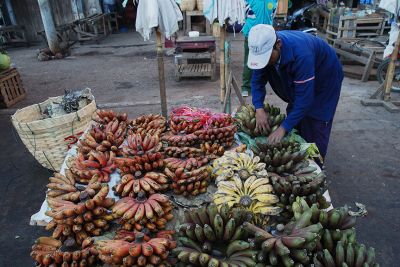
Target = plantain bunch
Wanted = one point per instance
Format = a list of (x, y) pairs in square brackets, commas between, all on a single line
[(246, 119), (77, 221), (311, 186), (209, 237), (284, 157)]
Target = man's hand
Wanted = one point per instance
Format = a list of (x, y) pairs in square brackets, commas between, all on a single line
[(277, 135), (262, 124)]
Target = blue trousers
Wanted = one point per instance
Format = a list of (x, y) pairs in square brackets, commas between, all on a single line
[(316, 131)]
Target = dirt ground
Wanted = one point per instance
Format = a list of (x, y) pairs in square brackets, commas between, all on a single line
[(362, 163)]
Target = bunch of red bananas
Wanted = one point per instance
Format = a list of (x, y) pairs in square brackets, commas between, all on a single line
[(150, 183), (223, 136), (189, 182), (143, 251), (152, 212), (106, 116), (148, 124), (47, 252), (180, 140), (97, 163), (90, 217)]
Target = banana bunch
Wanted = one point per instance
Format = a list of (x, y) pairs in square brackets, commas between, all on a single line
[(182, 152), (186, 164), (310, 186), (104, 137), (104, 117), (47, 251), (246, 119), (89, 217), (179, 140), (97, 163), (146, 163), (150, 183), (63, 187), (209, 237), (254, 195), (241, 163), (189, 182), (148, 124), (223, 136), (289, 245), (212, 149), (153, 212), (138, 146), (284, 157), (141, 252)]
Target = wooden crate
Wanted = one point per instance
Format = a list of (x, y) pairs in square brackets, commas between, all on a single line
[(351, 27), (11, 88)]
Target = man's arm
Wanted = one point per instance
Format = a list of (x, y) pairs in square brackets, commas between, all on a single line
[(258, 92), (304, 77)]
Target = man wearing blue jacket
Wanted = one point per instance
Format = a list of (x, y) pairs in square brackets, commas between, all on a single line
[(305, 72)]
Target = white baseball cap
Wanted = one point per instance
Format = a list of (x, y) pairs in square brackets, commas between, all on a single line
[(262, 38)]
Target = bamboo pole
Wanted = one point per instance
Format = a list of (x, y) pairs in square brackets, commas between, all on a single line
[(222, 62), (49, 26), (390, 71), (161, 75)]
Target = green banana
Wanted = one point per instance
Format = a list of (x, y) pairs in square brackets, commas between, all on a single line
[(198, 231), (213, 262), (370, 259), (304, 220), (273, 258), (339, 254), (236, 246), (190, 232), (327, 240), (315, 213), (293, 241), (300, 255), (194, 218), (189, 243), (336, 234), (239, 233), (350, 255), (218, 227), (230, 228), (360, 255), (334, 219), (224, 212), (194, 257), (203, 216), (281, 249), (245, 260), (204, 259), (245, 253), (287, 261), (184, 256), (268, 244), (209, 233), (328, 259), (212, 211)]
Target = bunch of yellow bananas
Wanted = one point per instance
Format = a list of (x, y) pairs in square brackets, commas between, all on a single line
[(254, 195), (241, 163)]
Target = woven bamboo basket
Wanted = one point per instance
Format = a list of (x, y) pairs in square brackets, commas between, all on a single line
[(44, 138), (200, 4), (188, 5)]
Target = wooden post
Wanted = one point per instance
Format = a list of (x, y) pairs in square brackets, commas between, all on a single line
[(49, 26), (222, 62), (390, 71), (161, 75), (10, 11)]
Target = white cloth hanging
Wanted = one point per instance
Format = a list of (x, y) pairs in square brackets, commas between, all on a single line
[(164, 14), (234, 10)]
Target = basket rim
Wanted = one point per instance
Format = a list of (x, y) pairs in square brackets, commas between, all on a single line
[(15, 119)]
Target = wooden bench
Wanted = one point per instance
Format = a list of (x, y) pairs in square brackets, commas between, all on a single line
[(13, 35), (94, 28)]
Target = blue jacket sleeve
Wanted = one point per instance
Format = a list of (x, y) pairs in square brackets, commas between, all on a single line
[(258, 92), (304, 76)]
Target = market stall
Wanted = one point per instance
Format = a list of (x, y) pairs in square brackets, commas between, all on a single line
[(190, 191)]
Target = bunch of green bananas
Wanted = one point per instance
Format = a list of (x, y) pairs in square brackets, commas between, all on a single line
[(246, 119), (209, 237), (289, 245), (254, 195), (338, 246), (284, 157), (311, 186), (241, 163)]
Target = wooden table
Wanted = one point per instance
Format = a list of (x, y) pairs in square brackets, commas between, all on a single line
[(13, 35), (94, 28), (195, 57)]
